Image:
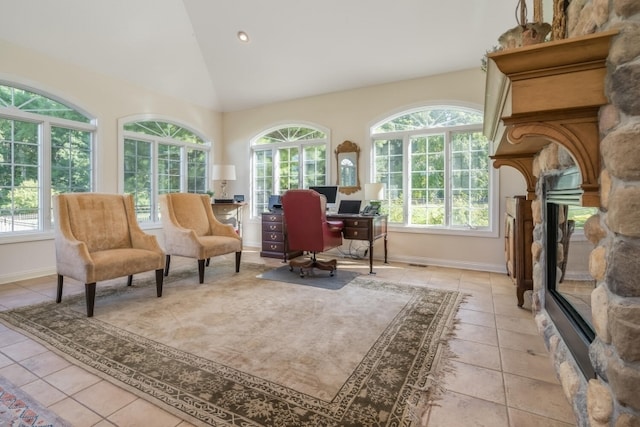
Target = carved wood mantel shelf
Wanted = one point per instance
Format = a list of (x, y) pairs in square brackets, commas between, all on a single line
[(548, 92)]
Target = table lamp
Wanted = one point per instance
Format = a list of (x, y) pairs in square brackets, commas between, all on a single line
[(374, 193), (223, 173)]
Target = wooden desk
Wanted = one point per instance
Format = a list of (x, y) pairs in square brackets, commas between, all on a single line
[(364, 227), (229, 213)]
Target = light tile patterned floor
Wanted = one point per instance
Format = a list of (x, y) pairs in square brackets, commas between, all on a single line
[(502, 375)]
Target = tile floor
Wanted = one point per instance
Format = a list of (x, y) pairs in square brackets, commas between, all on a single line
[(501, 373)]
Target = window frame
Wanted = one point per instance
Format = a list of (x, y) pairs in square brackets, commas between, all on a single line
[(155, 141), (274, 148), (45, 123), (492, 230)]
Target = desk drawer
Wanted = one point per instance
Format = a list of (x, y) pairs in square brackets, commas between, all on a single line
[(273, 247), (356, 233), (224, 209), (272, 227), (271, 217), (272, 236), (354, 222)]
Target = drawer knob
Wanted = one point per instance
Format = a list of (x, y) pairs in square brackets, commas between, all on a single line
[(273, 236), (272, 227), (274, 247), (355, 233), (355, 223)]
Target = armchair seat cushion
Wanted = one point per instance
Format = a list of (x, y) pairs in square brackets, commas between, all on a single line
[(219, 245), (111, 263)]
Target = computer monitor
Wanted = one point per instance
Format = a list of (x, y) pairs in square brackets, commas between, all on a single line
[(329, 191), (275, 203)]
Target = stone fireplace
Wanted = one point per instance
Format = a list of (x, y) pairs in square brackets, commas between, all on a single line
[(587, 125)]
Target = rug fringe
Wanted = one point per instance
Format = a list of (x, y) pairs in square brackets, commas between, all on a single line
[(432, 392)]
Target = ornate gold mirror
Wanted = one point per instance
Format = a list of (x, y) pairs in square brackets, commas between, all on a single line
[(347, 158)]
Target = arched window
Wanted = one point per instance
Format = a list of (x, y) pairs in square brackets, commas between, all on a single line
[(434, 162), (290, 156), (162, 157), (46, 148)]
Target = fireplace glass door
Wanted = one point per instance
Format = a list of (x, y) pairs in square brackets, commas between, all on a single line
[(568, 282), (575, 284)]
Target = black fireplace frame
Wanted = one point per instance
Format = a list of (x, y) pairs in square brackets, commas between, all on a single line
[(577, 334)]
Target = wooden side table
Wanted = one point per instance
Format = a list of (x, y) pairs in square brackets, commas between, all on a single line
[(230, 213)]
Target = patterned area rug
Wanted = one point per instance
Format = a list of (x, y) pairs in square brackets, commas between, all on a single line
[(239, 351), (19, 410)]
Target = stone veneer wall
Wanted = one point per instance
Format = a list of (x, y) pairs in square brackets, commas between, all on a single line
[(613, 398)]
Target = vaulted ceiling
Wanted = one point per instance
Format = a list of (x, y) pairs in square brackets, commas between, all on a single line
[(189, 48)]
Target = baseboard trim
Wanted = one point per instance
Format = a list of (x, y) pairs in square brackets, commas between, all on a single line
[(25, 275), (463, 265), (378, 257)]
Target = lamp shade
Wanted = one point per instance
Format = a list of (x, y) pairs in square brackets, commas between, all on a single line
[(374, 191), (223, 173)]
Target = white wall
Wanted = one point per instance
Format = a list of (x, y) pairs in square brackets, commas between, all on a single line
[(108, 100), (349, 115)]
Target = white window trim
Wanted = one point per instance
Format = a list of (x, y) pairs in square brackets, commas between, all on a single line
[(253, 147), (493, 230), (46, 229), (123, 134)]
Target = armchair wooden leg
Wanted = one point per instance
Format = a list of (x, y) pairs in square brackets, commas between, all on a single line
[(208, 261), (238, 256), (130, 280), (166, 264), (159, 280), (59, 294), (201, 270), (90, 294)]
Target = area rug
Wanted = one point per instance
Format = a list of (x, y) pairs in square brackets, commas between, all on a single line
[(17, 409), (242, 351), (318, 278)]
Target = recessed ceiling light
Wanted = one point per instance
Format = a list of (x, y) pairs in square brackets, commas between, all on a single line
[(243, 37)]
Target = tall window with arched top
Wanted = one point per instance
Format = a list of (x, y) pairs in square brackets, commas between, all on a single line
[(291, 156), (162, 157), (434, 162), (46, 148)]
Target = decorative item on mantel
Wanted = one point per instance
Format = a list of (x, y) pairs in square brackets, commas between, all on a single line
[(525, 33), (528, 33)]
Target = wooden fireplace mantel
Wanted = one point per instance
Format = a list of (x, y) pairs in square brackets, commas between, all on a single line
[(548, 92)]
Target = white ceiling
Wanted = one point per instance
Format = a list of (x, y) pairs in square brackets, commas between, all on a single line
[(298, 48)]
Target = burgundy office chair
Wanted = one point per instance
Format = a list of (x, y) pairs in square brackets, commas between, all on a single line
[(308, 230)]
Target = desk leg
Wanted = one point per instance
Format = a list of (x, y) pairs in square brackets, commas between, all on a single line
[(239, 219), (385, 249), (371, 257)]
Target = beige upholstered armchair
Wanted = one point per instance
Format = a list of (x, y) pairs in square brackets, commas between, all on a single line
[(98, 238), (191, 230)]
